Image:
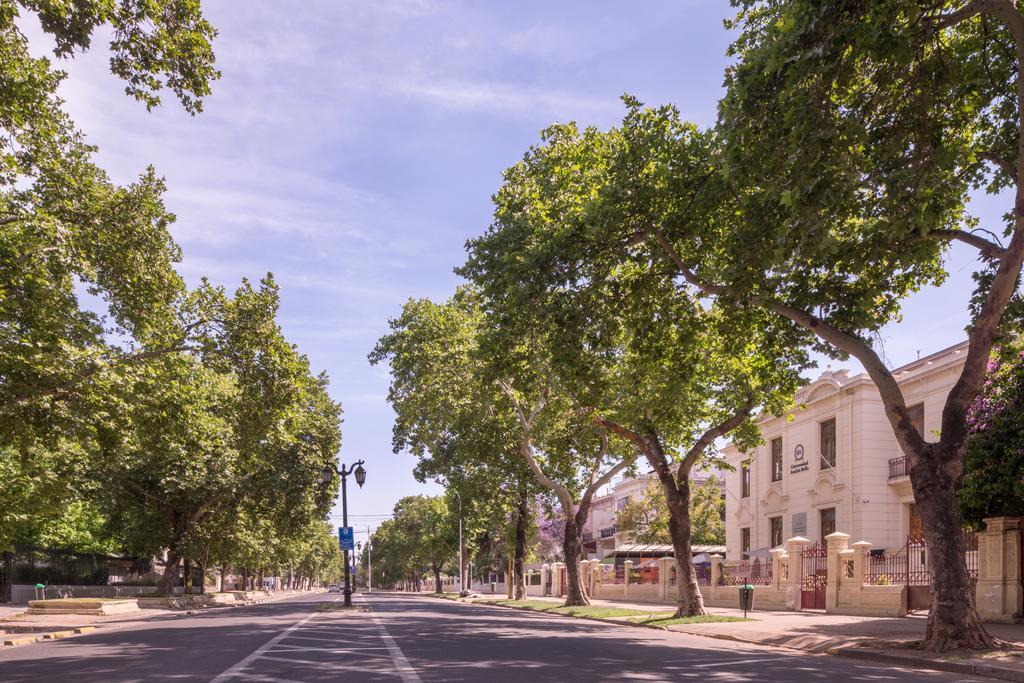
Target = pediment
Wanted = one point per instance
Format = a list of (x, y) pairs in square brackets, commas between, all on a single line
[(774, 500)]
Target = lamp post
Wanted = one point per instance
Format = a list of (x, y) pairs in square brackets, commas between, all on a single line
[(328, 474), (369, 560)]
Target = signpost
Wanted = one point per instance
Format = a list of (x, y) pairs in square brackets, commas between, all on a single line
[(346, 540)]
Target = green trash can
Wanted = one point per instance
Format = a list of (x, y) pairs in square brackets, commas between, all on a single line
[(746, 598), (40, 591)]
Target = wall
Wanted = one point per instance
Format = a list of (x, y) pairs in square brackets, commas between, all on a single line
[(22, 593)]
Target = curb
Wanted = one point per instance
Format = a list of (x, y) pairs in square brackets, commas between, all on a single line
[(985, 670), (604, 620)]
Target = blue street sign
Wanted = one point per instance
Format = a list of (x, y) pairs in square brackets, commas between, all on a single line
[(345, 538)]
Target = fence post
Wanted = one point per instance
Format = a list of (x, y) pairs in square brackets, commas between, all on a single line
[(837, 543), (794, 551), (628, 569), (716, 571), (998, 594), (595, 576), (664, 569), (861, 557), (778, 560)]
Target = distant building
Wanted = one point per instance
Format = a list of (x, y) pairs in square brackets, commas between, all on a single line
[(833, 464), (601, 535)]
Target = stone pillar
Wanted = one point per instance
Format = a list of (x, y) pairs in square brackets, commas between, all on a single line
[(556, 578), (861, 561), (716, 571), (628, 568), (792, 586), (837, 543), (778, 567), (999, 593), (665, 565), (595, 576)]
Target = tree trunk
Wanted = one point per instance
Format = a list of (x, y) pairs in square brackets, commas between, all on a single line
[(519, 558), (438, 587), (690, 602), (188, 576), (953, 621), (165, 586), (572, 547)]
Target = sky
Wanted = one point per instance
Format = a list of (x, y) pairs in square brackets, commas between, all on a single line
[(351, 148)]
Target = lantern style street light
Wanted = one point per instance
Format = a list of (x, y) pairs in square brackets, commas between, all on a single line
[(360, 474)]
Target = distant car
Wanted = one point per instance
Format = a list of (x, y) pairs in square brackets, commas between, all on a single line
[(334, 588)]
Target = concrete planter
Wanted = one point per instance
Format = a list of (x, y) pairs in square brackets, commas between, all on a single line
[(85, 606)]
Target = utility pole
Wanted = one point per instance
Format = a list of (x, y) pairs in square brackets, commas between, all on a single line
[(462, 552), (369, 562)]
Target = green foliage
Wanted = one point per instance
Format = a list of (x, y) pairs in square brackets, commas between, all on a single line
[(421, 537), (646, 518), (993, 480)]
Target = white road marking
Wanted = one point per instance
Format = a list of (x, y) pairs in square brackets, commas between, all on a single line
[(732, 662), (235, 670), (402, 664)]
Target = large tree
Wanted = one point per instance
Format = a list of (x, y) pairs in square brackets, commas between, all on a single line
[(666, 371), (853, 135), (86, 265), (646, 518)]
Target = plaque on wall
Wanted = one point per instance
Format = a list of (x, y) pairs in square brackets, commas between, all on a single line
[(799, 461), (799, 523)]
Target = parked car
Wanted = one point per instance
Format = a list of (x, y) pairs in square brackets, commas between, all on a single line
[(334, 588)]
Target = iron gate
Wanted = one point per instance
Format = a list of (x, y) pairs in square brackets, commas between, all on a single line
[(814, 576), (563, 584), (908, 566), (547, 582)]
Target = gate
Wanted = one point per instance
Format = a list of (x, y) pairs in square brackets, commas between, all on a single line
[(563, 583), (813, 576), (547, 582)]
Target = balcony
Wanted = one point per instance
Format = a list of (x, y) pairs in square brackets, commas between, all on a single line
[(898, 467), (588, 536), (608, 532)]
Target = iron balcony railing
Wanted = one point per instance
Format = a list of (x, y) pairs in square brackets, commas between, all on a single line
[(607, 531), (898, 467)]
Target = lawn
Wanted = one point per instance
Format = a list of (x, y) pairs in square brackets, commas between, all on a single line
[(643, 617)]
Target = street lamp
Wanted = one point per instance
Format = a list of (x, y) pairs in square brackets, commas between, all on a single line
[(360, 473)]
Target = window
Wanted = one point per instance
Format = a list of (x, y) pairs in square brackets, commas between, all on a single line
[(775, 531), (828, 444), (621, 503), (745, 543), (828, 522), (744, 481), (916, 415), (777, 459)]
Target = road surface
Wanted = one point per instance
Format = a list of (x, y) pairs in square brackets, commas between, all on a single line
[(409, 639)]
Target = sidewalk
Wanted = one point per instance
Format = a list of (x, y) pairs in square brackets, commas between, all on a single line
[(873, 638)]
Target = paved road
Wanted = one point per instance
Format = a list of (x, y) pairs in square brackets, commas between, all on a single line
[(410, 639)]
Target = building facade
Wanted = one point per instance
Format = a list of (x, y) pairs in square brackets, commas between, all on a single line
[(601, 534), (833, 464)]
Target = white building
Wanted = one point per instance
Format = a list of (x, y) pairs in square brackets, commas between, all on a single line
[(833, 464), (601, 535)]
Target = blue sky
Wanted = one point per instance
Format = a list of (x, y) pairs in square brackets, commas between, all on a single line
[(352, 147)]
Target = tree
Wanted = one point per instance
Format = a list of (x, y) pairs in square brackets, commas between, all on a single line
[(646, 519), (654, 363), (66, 228), (419, 537), (851, 136), (444, 415), (993, 481)]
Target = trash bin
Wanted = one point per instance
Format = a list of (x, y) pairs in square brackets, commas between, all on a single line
[(746, 598), (40, 591)]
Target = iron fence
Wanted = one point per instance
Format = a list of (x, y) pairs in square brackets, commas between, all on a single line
[(32, 565), (755, 573)]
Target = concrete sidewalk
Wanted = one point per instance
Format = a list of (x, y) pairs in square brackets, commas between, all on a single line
[(872, 638)]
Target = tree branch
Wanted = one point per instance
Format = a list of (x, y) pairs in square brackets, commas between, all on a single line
[(892, 396), (709, 436), (989, 249)]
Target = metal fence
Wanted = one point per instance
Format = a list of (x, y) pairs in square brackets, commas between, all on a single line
[(755, 573), (32, 565)]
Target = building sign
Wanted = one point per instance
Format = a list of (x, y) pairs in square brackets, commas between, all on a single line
[(799, 461), (799, 523)]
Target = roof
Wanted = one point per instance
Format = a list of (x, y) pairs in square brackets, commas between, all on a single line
[(641, 549)]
